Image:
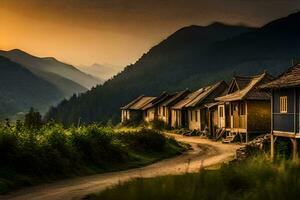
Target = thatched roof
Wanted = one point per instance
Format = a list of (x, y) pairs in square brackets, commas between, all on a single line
[(138, 103), (250, 90), (290, 78)]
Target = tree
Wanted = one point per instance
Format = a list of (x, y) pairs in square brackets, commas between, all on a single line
[(33, 119)]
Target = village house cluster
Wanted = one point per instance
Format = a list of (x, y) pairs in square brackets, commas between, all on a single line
[(248, 106)]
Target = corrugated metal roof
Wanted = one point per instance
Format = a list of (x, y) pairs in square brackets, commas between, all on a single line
[(184, 101), (174, 98), (201, 96), (251, 90), (156, 101), (210, 105), (290, 78), (138, 103), (195, 98)]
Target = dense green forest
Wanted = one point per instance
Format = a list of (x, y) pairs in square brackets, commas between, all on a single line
[(189, 58), (32, 152), (256, 179)]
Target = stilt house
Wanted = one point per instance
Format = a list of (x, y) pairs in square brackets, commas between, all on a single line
[(285, 107), (245, 109)]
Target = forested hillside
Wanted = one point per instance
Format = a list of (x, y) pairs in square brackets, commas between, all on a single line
[(160, 69), (190, 58), (20, 89)]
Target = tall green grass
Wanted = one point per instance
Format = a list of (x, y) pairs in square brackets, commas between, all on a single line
[(30, 156), (256, 178)]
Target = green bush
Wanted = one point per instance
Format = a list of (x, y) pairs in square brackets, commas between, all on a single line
[(158, 124), (146, 139), (30, 155)]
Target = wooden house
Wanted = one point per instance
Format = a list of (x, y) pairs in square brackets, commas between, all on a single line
[(151, 109), (165, 105), (133, 112), (197, 111), (245, 109), (285, 108), (159, 107)]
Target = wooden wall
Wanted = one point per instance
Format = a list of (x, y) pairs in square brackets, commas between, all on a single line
[(258, 116), (192, 122), (285, 122), (149, 115), (163, 114)]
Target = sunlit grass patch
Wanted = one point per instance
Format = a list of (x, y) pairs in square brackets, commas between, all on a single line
[(256, 178)]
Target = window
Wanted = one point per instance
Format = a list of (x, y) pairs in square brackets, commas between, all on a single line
[(196, 116), (283, 104), (191, 113), (221, 111), (164, 111)]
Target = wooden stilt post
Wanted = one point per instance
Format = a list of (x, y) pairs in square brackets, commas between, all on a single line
[(295, 148), (272, 147)]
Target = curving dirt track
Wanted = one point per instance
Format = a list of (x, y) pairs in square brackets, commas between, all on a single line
[(203, 153)]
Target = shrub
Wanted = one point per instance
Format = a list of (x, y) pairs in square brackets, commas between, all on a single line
[(30, 154), (146, 139), (158, 124)]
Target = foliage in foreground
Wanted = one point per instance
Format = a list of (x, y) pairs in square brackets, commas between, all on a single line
[(31, 155), (255, 178)]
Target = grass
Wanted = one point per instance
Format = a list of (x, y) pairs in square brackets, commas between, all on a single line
[(33, 156), (255, 178)]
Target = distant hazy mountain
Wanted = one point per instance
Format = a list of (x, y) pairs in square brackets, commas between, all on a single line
[(65, 76), (190, 58), (20, 89), (101, 71)]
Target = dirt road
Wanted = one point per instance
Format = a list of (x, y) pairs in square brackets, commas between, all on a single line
[(203, 153)]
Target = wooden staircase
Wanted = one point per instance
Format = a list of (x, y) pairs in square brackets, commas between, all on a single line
[(230, 138), (220, 133)]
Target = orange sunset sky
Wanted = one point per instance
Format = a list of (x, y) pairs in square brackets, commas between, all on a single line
[(82, 32)]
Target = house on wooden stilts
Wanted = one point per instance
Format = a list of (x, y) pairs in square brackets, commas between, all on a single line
[(285, 108), (245, 109)]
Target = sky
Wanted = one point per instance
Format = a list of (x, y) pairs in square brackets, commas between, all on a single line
[(118, 32)]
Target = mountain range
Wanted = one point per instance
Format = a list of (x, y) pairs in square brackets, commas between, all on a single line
[(101, 71), (52, 69), (190, 58), (20, 89), (51, 81)]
